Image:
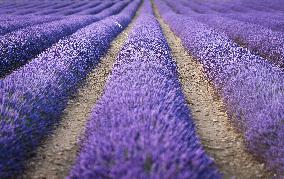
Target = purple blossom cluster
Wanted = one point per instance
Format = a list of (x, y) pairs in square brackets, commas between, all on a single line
[(116, 8), (97, 9), (20, 6), (32, 98), (260, 40), (141, 127), (16, 48), (251, 86), (211, 7), (265, 5), (79, 8), (8, 25), (61, 8), (272, 21)]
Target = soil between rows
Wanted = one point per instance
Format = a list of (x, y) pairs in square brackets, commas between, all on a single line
[(220, 140), (56, 155)]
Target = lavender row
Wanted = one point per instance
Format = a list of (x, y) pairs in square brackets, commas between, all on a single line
[(260, 40), (141, 127), (236, 6), (198, 7), (27, 6), (194, 6), (251, 86), (32, 99), (10, 18), (252, 5), (222, 7), (33, 9), (97, 9), (268, 20), (116, 8), (265, 5), (7, 26), (82, 8), (20, 46), (273, 21), (63, 8), (18, 6)]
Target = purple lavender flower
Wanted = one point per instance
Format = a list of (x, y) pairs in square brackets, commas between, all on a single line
[(251, 86), (33, 98), (260, 40), (141, 127), (18, 47), (7, 26)]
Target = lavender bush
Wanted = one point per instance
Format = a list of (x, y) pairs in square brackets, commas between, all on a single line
[(32, 98), (260, 40), (74, 7), (7, 26), (116, 8), (269, 20), (250, 85), (97, 9), (57, 8), (40, 8), (18, 47), (265, 5), (79, 9), (22, 10), (141, 126)]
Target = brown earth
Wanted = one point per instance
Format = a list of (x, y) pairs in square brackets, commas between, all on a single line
[(220, 140), (225, 145), (56, 155)]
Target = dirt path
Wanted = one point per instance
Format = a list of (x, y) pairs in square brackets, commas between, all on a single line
[(217, 135), (58, 152)]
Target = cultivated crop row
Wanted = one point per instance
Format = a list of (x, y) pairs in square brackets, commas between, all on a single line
[(264, 41), (32, 98), (18, 47), (250, 85), (141, 127)]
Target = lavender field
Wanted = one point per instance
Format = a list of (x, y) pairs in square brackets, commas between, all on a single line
[(142, 89)]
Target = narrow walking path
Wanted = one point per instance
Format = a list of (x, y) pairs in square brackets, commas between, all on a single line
[(221, 141), (58, 152)]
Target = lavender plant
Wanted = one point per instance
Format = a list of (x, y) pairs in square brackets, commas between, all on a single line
[(32, 98), (82, 8), (260, 40), (141, 126), (269, 20), (250, 85), (116, 8), (97, 9), (7, 26), (18, 47)]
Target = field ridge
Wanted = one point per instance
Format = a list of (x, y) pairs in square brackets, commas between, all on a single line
[(58, 152), (221, 141)]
